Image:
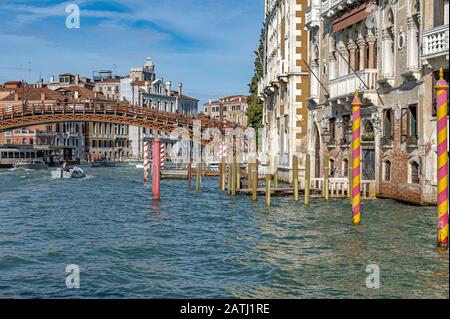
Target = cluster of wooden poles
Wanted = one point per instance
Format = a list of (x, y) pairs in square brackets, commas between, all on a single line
[(230, 174)]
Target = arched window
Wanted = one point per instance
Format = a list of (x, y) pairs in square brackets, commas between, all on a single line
[(387, 171), (415, 178)]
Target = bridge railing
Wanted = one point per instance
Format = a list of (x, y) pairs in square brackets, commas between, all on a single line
[(107, 108)]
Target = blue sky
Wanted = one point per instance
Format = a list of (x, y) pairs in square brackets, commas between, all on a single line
[(206, 44)]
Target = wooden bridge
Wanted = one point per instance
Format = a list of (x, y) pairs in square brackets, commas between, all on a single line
[(31, 114)]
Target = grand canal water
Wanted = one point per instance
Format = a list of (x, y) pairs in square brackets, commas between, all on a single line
[(205, 245)]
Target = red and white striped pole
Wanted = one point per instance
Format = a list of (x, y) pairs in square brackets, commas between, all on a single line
[(146, 149), (442, 154), (163, 156), (156, 169)]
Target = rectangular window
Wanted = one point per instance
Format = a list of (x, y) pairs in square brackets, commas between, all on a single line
[(413, 120), (404, 122), (388, 124), (332, 129)]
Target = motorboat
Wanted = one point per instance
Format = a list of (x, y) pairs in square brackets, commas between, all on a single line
[(35, 164), (68, 172), (102, 163)]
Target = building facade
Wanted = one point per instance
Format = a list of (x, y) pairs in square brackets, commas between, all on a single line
[(230, 108), (143, 88), (284, 87), (389, 51)]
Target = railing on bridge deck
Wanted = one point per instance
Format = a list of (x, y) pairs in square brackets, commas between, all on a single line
[(75, 107)]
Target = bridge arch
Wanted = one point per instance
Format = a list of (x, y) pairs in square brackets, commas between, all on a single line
[(105, 112)]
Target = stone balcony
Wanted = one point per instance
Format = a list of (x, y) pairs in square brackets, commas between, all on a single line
[(435, 44), (333, 7), (345, 86), (312, 16)]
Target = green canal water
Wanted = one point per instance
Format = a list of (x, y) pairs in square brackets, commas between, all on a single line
[(206, 245)]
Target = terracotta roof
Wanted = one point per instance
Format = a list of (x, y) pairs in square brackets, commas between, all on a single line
[(83, 93), (32, 94)]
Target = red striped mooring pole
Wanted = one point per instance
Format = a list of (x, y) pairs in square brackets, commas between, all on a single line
[(156, 169), (146, 149), (442, 159), (356, 159)]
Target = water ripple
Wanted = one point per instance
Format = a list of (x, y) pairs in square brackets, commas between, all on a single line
[(205, 245)]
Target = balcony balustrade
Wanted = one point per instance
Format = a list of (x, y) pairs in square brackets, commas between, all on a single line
[(347, 85)]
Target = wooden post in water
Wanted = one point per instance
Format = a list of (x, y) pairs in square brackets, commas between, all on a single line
[(255, 182), (220, 175), (189, 173), (268, 189), (308, 180), (295, 176), (249, 175), (224, 176), (275, 179), (233, 177), (326, 174), (229, 169), (238, 176), (198, 181)]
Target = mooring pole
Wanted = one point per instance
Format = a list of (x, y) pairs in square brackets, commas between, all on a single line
[(238, 175), (189, 172), (146, 161), (224, 174), (229, 177), (255, 182), (308, 180), (295, 176), (233, 177), (268, 178), (326, 174), (249, 175), (442, 161), (198, 180), (350, 179), (156, 169), (356, 159)]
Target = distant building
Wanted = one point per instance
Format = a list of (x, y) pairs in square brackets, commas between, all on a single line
[(144, 89), (100, 140), (68, 79), (46, 140), (234, 109), (284, 87)]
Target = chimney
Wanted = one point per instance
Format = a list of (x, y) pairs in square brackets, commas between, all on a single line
[(42, 96), (96, 95), (169, 88), (210, 101), (52, 79), (180, 89), (77, 79), (16, 97), (77, 95)]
